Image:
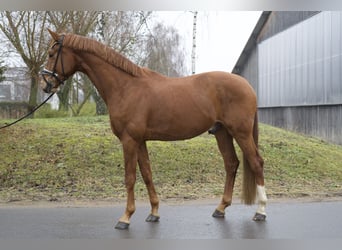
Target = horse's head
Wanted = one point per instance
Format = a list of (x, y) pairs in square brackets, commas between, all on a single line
[(60, 65)]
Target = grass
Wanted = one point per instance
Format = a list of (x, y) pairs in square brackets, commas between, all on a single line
[(61, 159)]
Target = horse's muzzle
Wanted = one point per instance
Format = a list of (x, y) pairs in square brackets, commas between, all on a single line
[(49, 85)]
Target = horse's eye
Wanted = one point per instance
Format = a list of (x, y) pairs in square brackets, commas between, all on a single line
[(50, 52)]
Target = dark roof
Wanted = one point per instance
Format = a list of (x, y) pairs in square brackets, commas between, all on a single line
[(279, 21), (251, 42)]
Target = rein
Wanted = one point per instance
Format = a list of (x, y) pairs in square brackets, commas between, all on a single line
[(30, 113)]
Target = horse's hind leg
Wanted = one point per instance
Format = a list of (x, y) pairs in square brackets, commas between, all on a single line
[(145, 169), (231, 163), (253, 176)]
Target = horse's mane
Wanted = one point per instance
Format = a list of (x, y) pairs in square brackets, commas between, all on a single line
[(104, 52)]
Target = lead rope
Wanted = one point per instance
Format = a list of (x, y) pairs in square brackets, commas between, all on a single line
[(30, 113)]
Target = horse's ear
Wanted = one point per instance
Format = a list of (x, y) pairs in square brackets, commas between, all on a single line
[(54, 35)]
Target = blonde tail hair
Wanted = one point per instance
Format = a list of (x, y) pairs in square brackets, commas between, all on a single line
[(248, 181)]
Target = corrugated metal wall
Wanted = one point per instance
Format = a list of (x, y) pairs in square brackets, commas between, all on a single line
[(302, 65), (320, 121), (250, 70), (296, 71)]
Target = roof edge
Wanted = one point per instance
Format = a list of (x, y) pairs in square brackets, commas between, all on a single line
[(251, 42)]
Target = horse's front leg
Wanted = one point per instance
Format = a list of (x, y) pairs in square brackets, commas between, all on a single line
[(146, 172), (130, 150)]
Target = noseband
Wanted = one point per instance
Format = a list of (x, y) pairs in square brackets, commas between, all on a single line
[(45, 72)]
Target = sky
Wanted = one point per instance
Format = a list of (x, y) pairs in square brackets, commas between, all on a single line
[(221, 35)]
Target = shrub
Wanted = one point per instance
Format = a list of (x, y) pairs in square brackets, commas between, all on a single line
[(47, 112)]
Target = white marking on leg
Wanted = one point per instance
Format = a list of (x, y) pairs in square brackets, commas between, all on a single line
[(262, 198)]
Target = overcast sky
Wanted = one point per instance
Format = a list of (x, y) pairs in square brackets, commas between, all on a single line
[(221, 35)]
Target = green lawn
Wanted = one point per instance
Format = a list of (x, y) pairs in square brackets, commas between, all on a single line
[(60, 159)]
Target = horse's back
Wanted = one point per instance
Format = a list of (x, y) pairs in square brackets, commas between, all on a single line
[(227, 88)]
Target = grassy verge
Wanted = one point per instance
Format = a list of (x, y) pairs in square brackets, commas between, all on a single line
[(79, 159)]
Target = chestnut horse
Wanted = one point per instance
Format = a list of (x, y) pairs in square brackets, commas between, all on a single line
[(144, 105)]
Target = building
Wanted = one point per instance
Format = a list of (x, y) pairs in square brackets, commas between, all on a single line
[(293, 59), (16, 86), (14, 93)]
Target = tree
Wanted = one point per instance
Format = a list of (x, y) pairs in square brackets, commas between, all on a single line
[(124, 31), (77, 22), (81, 82), (165, 53), (193, 53), (2, 71), (25, 31), (121, 30), (128, 32)]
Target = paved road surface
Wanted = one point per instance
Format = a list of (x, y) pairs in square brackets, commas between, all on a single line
[(285, 220)]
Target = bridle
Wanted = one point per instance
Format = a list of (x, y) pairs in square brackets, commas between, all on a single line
[(46, 72)]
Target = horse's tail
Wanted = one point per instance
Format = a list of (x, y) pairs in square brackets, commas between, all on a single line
[(248, 183)]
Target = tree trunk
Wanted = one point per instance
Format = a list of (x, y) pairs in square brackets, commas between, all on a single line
[(193, 53), (101, 107), (63, 95), (33, 92)]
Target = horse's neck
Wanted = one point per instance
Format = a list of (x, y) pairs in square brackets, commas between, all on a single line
[(108, 80)]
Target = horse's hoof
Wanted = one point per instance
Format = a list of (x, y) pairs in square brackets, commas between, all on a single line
[(259, 217), (152, 218), (122, 225), (218, 214)]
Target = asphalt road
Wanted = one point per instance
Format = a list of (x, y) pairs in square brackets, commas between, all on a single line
[(310, 220)]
